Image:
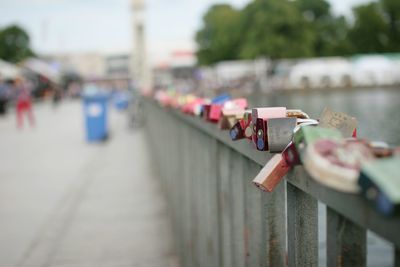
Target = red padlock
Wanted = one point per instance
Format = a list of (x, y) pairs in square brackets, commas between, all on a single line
[(272, 173)]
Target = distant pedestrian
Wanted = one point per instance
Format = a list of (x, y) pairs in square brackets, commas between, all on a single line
[(23, 103), (57, 97), (4, 95)]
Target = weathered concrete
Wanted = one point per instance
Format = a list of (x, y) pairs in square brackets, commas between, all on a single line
[(65, 203)]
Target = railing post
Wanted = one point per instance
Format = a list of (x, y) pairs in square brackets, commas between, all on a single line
[(275, 226), (225, 207), (182, 189), (238, 215), (254, 239), (302, 218), (346, 241)]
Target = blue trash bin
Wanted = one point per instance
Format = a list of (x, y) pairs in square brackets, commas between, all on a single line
[(121, 101), (95, 112)]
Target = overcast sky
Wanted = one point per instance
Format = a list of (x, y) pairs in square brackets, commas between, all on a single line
[(57, 26)]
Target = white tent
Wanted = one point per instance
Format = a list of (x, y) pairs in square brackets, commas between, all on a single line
[(8, 70), (43, 68), (374, 70), (321, 72)]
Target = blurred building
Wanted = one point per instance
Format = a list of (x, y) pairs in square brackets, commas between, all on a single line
[(178, 71), (91, 66), (118, 65), (87, 65), (371, 70)]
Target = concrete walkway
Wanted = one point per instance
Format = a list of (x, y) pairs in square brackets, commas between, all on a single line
[(65, 203)]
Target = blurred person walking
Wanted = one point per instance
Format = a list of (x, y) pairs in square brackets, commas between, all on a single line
[(23, 103), (4, 96), (57, 96)]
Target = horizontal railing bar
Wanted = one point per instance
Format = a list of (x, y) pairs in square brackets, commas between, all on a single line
[(243, 146)]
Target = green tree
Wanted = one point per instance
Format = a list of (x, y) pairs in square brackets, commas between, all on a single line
[(330, 31), (297, 28), (369, 33), (314, 9), (392, 13), (14, 44), (331, 36), (219, 38), (275, 28)]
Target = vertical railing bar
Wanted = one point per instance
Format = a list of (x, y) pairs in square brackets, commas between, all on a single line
[(214, 241), (346, 241), (302, 218), (196, 192), (253, 219), (274, 227), (396, 256), (238, 201), (225, 205)]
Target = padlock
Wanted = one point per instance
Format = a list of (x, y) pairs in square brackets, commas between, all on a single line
[(336, 163), (291, 155), (220, 99), (215, 113), (308, 134), (198, 109), (296, 113), (248, 132), (381, 149), (272, 173), (237, 103), (260, 136), (230, 117), (338, 120), (236, 132), (267, 113), (280, 133), (248, 125), (227, 122), (205, 111), (304, 122), (190, 107), (264, 114), (379, 183)]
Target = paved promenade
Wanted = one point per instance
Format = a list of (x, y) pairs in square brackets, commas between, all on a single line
[(65, 203)]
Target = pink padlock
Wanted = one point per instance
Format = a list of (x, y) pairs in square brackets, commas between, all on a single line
[(215, 113), (240, 103), (268, 113)]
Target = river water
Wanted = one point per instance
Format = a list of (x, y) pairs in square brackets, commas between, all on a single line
[(377, 109)]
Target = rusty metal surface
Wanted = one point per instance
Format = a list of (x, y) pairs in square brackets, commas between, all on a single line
[(346, 241), (302, 227)]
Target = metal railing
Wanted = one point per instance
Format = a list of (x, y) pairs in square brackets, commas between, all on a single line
[(221, 219)]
